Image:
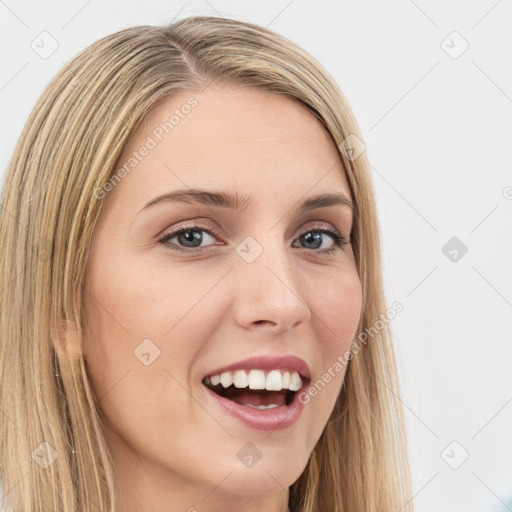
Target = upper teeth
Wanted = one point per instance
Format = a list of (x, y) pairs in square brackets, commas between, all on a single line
[(274, 380)]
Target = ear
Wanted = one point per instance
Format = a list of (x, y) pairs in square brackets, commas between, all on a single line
[(67, 339)]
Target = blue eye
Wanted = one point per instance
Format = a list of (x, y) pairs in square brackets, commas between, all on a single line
[(192, 238), (313, 236), (187, 235)]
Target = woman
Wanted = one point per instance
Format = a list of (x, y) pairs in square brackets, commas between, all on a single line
[(191, 309)]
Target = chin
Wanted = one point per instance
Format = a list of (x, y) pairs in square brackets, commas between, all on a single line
[(256, 482)]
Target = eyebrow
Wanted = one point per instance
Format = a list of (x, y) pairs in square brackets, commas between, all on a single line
[(240, 204)]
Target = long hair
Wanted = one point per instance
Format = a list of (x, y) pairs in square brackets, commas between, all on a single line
[(69, 149)]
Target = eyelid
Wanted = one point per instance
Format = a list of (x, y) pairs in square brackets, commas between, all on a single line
[(337, 235), (202, 223)]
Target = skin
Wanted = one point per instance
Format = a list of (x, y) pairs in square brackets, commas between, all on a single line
[(173, 451)]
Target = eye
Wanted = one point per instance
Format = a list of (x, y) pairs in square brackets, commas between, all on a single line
[(191, 238), (316, 237)]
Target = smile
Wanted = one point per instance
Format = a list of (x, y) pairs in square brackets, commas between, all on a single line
[(256, 388)]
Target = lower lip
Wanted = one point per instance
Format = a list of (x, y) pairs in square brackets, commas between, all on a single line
[(277, 418)]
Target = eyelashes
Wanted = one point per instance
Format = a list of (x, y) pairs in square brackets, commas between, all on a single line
[(324, 229)]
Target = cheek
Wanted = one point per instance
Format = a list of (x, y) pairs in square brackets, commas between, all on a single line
[(337, 307), (136, 324), (134, 366), (337, 311)]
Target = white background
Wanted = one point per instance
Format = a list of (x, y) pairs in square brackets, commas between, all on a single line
[(438, 132)]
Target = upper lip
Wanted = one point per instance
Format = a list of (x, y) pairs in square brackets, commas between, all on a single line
[(267, 362)]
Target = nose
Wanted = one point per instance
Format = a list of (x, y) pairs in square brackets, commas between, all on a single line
[(268, 292)]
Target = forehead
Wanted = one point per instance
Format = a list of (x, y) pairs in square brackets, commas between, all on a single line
[(239, 137)]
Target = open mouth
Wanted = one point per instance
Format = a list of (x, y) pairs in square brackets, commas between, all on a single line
[(257, 398), (261, 392)]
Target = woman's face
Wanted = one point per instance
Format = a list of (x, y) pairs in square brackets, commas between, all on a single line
[(249, 288)]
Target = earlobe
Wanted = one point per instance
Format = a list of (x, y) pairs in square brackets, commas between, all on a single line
[(67, 340)]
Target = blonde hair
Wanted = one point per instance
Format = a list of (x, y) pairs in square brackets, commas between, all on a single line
[(69, 148)]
